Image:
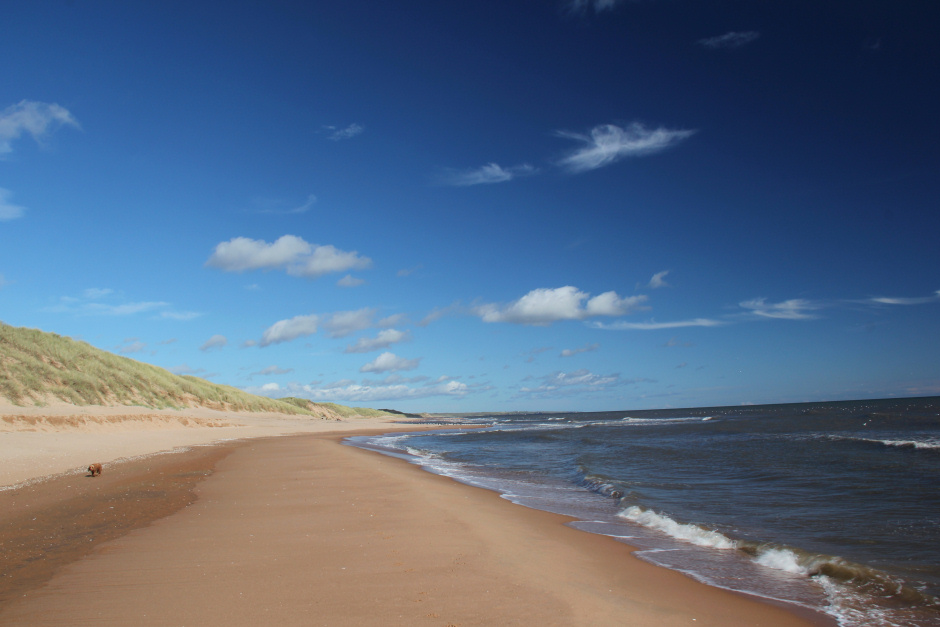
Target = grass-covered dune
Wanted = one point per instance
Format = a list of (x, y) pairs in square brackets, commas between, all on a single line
[(37, 368)]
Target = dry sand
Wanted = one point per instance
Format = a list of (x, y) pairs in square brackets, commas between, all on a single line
[(305, 531), (61, 438)]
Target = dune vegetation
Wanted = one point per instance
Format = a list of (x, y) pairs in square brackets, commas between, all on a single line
[(38, 368)]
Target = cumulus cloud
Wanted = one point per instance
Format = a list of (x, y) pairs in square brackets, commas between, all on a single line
[(793, 309), (608, 143), (389, 362), (9, 211), (290, 329), (214, 343), (588, 348), (337, 134), (384, 339), (730, 40), (38, 119), (489, 173), (544, 306), (289, 252)]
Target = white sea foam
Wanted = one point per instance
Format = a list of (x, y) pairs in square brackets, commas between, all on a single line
[(781, 559), (929, 444), (694, 534)]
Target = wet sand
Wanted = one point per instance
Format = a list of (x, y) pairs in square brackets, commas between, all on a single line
[(302, 530)]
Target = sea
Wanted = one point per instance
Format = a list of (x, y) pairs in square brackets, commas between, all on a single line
[(833, 507)]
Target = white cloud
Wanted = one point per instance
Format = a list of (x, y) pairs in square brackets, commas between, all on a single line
[(653, 326), (180, 315), (793, 309), (9, 211), (185, 369), (658, 280), (608, 143), (544, 306), (489, 173), (292, 253), (281, 207), (125, 309), (290, 329), (730, 40), (384, 339), (588, 348), (36, 118), (343, 323), (271, 370), (559, 383), (884, 300), (350, 281), (214, 342), (389, 362), (133, 346), (579, 6), (349, 132), (3, 281), (348, 392)]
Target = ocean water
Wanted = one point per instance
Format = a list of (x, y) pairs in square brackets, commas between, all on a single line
[(830, 506)]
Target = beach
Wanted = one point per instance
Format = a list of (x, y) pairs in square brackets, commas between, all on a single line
[(303, 530)]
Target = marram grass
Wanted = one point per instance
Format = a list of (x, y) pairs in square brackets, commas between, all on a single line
[(38, 367)]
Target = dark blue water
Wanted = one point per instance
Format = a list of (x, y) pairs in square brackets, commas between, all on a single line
[(831, 506)]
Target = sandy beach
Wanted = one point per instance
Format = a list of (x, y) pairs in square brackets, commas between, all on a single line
[(303, 530)]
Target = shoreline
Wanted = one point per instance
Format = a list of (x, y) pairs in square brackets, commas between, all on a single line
[(284, 529)]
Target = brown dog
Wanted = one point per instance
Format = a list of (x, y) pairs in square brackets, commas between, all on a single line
[(95, 470)]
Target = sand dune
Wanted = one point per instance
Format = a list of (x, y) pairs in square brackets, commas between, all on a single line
[(92, 424)]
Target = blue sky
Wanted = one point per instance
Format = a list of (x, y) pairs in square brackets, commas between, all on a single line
[(488, 205)]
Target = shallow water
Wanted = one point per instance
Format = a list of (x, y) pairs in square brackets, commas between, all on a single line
[(832, 506)]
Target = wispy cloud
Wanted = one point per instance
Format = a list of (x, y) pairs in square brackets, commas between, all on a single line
[(793, 309), (916, 300), (580, 6), (731, 39), (350, 281), (216, 342), (38, 119), (348, 132), (588, 348), (487, 174), (271, 370), (544, 306), (344, 323), (658, 280), (290, 329), (9, 211), (390, 362), (289, 252), (132, 345), (654, 326), (383, 340), (281, 207), (350, 392), (608, 143), (578, 381)]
